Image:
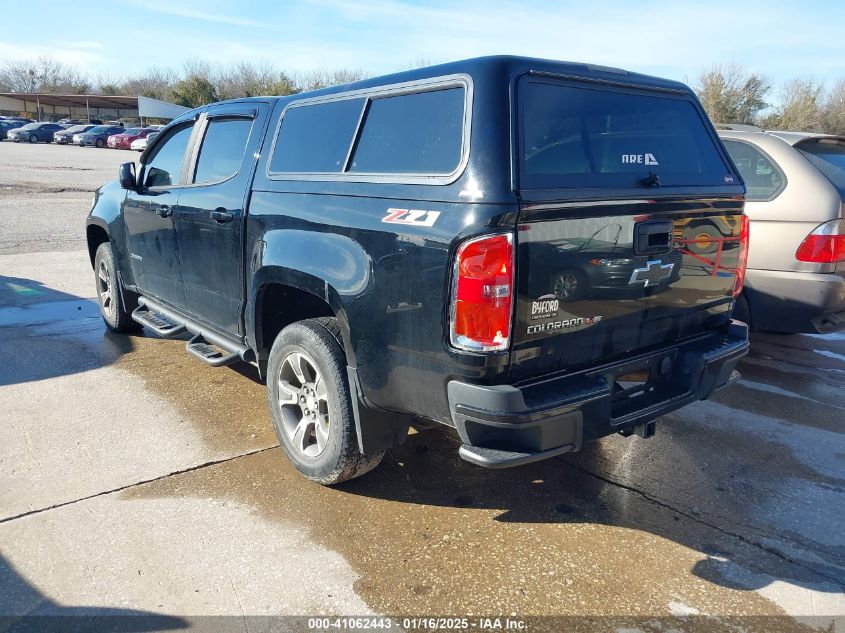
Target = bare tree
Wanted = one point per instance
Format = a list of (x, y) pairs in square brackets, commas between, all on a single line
[(250, 80), (43, 75), (419, 62), (833, 110), (729, 94), (800, 107), (323, 78), (155, 82)]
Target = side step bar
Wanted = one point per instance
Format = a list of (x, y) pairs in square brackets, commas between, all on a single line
[(495, 458), (209, 353), (151, 320), (211, 348)]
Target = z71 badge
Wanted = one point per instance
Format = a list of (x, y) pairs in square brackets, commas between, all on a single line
[(414, 217)]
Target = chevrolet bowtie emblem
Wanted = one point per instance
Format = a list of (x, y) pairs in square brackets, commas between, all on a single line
[(652, 274)]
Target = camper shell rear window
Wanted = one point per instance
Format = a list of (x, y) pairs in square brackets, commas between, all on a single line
[(577, 135)]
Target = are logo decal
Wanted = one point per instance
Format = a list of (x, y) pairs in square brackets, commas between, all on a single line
[(413, 217), (642, 159)]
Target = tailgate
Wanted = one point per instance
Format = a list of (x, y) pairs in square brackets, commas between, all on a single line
[(628, 233), (588, 292)]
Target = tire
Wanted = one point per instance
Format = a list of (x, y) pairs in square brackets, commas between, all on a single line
[(33, 138), (705, 238), (115, 314), (570, 285), (326, 453), (99, 143)]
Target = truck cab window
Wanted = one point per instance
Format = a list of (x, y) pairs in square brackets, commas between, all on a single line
[(222, 150), (164, 167)]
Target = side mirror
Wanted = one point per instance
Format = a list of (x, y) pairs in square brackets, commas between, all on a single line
[(127, 176)]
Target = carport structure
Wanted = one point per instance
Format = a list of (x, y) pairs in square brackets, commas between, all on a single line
[(56, 106)]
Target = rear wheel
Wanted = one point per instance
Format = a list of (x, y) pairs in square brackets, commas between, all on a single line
[(99, 142), (115, 314), (33, 138), (311, 403)]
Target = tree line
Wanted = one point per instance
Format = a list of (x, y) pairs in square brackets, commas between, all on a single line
[(196, 83), (729, 93)]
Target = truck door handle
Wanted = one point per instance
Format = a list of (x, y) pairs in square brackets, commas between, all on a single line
[(221, 216), (164, 210)]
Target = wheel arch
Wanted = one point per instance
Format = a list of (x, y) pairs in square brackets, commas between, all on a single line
[(95, 235), (281, 296)]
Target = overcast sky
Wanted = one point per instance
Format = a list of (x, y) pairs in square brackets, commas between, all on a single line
[(675, 39)]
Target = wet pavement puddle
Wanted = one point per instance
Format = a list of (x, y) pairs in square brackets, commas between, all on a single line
[(624, 527)]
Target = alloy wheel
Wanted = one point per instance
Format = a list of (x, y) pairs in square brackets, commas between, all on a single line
[(104, 289), (303, 403)]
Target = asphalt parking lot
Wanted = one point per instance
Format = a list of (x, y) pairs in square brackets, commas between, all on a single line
[(133, 479)]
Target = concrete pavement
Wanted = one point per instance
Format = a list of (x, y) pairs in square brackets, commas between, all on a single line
[(133, 478)]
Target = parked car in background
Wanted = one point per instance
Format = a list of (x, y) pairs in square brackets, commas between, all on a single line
[(34, 132), (124, 140), (97, 135), (18, 119), (65, 137), (5, 126), (139, 145), (70, 121), (795, 194)]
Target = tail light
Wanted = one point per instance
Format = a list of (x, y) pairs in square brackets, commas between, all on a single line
[(482, 294), (825, 245), (742, 257)]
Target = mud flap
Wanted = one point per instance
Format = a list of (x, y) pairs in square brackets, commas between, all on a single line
[(377, 429)]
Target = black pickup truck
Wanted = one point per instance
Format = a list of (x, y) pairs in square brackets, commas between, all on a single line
[(489, 244)]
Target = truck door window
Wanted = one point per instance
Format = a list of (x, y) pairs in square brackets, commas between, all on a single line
[(164, 167), (222, 150)]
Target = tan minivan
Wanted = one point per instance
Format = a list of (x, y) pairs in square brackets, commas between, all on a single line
[(795, 188)]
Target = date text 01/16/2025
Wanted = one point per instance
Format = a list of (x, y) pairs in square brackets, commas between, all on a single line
[(379, 623)]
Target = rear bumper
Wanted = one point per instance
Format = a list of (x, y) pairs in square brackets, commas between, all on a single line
[(793, 302), (505, 425)]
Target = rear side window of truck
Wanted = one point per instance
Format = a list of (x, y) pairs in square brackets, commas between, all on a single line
[(415, 133), (315, 138), (578, 136), (222, 150), (418, 133)]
